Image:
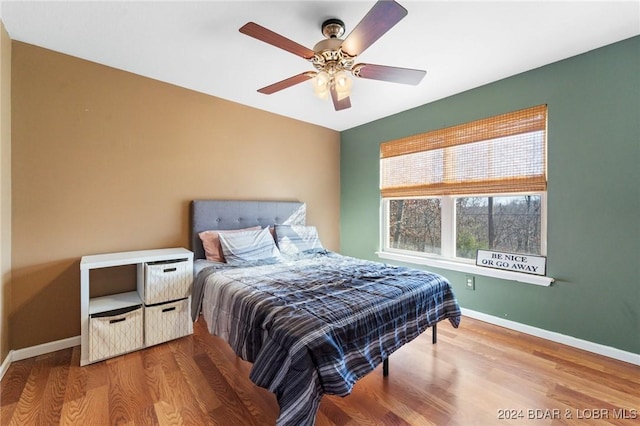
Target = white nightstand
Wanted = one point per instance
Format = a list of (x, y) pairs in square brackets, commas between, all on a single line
[(158, 311)]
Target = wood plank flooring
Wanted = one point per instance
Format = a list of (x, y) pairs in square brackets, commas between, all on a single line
[(479, 374)]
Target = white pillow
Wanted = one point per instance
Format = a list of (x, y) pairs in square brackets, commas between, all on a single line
[(294, 239), (248, 246)]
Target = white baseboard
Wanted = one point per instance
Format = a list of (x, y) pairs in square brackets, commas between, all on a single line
[(5, 364), (45, 348), (596, 348)]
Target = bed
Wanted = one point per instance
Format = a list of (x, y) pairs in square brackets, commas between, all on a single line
[(310, 320)]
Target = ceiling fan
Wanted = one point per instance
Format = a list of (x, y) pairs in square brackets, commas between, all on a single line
[(334, 58)]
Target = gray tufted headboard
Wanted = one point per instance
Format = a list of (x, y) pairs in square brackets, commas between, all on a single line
[(227, 214)]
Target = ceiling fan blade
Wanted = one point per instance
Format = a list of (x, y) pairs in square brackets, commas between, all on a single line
[(385, 73), (339, 104), (287, 82), (380, 19), (263, 34)]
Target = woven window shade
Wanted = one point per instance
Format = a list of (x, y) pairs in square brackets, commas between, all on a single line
[(501, 154)]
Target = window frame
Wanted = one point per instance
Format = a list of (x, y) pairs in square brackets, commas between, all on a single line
[(448, 231), (448, 240)]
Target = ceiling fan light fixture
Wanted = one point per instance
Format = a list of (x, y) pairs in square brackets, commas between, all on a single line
[(342, 84), (321, 84)]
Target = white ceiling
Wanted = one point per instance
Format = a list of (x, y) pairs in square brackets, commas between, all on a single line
[(197, 45)]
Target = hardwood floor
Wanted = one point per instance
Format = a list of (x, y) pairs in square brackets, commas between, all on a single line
[(479, 374)]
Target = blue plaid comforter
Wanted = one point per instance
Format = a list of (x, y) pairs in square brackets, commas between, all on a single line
[(317, 324)]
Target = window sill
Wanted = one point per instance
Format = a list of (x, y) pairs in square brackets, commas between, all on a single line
[(468, 268)]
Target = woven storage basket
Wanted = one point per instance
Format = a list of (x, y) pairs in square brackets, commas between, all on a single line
[(114, 333), (167, 321), (166, 281)]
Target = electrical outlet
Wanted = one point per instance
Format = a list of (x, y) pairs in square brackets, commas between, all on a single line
[(471, 282)]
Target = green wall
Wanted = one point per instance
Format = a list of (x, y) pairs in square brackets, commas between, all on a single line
[(593, 192)]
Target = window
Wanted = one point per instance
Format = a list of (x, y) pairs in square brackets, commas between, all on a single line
[(416, 225), (479, 185), (506, 223)]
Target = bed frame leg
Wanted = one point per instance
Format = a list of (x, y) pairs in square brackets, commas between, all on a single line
[(434, 339)]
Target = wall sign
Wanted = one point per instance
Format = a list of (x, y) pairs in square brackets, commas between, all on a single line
[(526, 263)]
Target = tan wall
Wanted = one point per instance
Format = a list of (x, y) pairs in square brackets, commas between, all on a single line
[(5, 189), (104, 160)]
